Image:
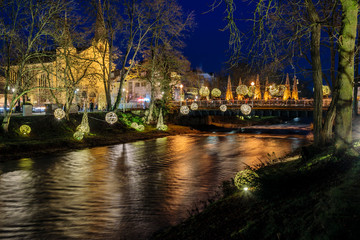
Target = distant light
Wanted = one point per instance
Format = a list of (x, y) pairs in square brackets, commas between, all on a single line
[(252, 83), (143, 100), (162, 92), (13, 90), (123, 89), (77, 89), (246, 188), (181, 86)]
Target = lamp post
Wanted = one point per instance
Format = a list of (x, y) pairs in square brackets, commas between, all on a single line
[(181, 93)]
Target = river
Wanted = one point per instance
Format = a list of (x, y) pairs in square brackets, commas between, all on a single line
[(125, 191)]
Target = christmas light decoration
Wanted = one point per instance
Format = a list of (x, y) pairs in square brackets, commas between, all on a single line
[(59, 113), (223, 108), (245, 109), (194, 106), (111, 117), (25, 129), (184, 110)]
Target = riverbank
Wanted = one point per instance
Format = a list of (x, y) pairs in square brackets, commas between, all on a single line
[(307, 198), (49, 135)]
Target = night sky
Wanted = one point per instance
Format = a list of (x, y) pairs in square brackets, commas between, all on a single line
[(207, 46)]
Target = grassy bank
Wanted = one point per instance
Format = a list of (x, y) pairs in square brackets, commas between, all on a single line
[(308, 198), (49, 134)]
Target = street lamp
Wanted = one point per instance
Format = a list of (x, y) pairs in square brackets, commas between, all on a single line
[(181, 93)]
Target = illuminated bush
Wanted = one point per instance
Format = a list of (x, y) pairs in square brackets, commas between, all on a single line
[(246, 179)]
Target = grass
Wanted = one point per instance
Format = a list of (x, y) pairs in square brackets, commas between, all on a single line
[(316, 198)]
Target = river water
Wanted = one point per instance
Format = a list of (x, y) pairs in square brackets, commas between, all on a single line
[(125, 191)]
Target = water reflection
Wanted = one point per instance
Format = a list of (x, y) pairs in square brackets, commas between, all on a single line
[(125, 191)]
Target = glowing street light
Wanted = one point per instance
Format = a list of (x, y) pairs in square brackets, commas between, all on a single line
[(252, 83)]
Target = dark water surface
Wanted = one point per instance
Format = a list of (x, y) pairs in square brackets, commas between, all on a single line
[(124, 191)]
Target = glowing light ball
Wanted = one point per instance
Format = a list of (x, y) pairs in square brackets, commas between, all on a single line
[(326, 90), (111, 117), (223, 108), (216, 92), (204, 91), (246, 179), (78, 135), (184, 110), (59, 113), (25, 129), (134, 125), (273, 90), (194, 106), (245, 109), (242, 90)]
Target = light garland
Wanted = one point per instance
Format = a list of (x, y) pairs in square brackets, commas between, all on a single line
[(223, 108), (25, 129), (185, 110), (111, 117), (216, 92), (59, 113), (194, 106), (242, 90), (204, 91), (245, 109)]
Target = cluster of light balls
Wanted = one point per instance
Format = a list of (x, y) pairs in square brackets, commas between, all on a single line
[(137, 126), (59, 113)]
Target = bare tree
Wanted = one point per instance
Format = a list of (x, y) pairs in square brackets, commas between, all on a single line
[(26, 35)]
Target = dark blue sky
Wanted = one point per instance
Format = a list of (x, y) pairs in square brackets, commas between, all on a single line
[(207, 46)]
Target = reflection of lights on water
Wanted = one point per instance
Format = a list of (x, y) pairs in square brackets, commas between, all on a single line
[(26, 163)]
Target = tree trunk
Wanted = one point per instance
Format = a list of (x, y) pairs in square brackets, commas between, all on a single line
[(343, 121), (356, 78), (317, 70), (317, 78)]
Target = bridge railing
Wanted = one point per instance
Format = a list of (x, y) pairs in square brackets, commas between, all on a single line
[(253, 103)]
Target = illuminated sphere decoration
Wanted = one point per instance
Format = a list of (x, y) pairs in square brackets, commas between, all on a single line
[(184, 110), (326, 90), (245, 109), (242, 90), (83, 128), (59, 113), (223, 108), (111, 117), (194, 106), (140, 127), (25, 129), (216, 92), (246, 179), (204, 91), (134, 125), (78, 135), (273, 90)]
